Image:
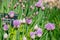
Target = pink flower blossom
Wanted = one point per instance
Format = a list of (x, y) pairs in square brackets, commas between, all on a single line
[(39, 32), (32, 34), (50, 26), (11, 13), (28, 20), (39, 3), (16, 23), (5, 27)]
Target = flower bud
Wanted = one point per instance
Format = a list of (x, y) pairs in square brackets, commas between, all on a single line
[(5, 35)]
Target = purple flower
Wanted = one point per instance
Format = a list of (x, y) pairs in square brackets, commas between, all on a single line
[(39, 3), (28, 20), (11, 13), (5, 27), (32, 34), (50, 26), (39, 32), (16, 23)]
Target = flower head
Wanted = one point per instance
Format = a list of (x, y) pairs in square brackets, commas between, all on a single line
[(5, 35), (43, 8), (39, 32), (39, 3), (28, 20), (5, 27), (32, 34), (23, 20), (11, 13), (24, 38), (6, 16), (3, 19), (36, 27), (31, 7), (50, 26), (16, 23)]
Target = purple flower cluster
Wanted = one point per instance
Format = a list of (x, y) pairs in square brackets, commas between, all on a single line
[(16, 23), (38, 33), (32, 34), (11, 14), (28, 20), (40, 4), (50, 26), (5, 27)]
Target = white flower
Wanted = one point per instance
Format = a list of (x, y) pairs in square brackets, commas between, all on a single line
[(23, 21), (37, 13), (24, 38), (5, 35), (36, 27)]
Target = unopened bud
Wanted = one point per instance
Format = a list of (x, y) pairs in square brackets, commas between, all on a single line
[(20, 1)]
